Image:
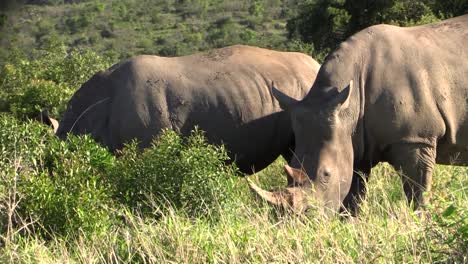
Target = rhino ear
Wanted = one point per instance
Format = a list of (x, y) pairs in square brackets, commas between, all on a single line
[(344, 97), (295, 175), (284, 100)]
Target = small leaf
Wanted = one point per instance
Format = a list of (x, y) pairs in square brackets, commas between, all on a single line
[(449, 211)]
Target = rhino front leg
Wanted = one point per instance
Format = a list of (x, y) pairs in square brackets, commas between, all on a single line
[(416, 162), (357, 191)]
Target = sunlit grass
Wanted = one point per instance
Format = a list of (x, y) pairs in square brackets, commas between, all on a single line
[(385, 231)]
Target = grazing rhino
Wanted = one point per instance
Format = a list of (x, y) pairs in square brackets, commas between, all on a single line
[(225, 92), (387, 93)]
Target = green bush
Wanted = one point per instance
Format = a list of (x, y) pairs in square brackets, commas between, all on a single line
[(257, 8), (248, 36), (75, 24), (326, 23), (60, 183), (224, 32), (186, 173), (45, 79), (98, 6), (409, 13), (73, 186)]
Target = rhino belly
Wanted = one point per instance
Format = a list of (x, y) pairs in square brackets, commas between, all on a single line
[(252, 145)]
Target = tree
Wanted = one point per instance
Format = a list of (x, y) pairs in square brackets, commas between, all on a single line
[(326, 23)]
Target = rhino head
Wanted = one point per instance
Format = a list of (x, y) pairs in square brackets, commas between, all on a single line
[(322, 167)]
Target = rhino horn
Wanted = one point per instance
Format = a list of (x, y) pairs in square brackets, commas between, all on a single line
[(274, 198), (293, 198), (296, 175), (54, 124), (46, 119)]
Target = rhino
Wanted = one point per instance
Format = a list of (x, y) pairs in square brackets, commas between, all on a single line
[(225, 92), (386, 94)]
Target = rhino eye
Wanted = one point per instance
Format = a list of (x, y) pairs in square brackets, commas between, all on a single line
[(325, 175)]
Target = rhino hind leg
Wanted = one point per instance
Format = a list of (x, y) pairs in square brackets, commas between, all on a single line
[(416, 162)]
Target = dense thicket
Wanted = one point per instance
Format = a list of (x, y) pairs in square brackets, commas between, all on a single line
[(326, 23)]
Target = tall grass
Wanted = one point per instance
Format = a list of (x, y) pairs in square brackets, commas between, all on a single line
[(241, 229)]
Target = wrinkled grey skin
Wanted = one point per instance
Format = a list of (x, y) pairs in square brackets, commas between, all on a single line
[(386, 94), (226, 92)]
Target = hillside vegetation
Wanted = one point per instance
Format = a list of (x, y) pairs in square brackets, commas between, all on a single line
[(179, 201), (124, 28)]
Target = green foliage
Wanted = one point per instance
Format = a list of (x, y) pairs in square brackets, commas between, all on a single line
[(77, 23), (252, 234), (99, 6), (449, 214), (450, 8), (125, 28), (73, 186), (185, 173), (407, 13), (326, 23), (223, 32), (450, 228), (69, 195), (46, 79), (248, 35), (138, 25), (69, 186), (256, 8), (3, 18), (59, 183)]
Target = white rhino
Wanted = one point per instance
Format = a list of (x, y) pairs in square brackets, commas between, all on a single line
[(225, 92), (386, 94)]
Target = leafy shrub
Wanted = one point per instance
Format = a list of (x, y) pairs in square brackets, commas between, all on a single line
[(98, 6), (223, 33), (448, 210), (450, 230), (256, 8), (326, 23), (194, 39), (46, 79), (78, 23), (248, 36), (450, 8), (76, 185), (58, 182), (186, 173)]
